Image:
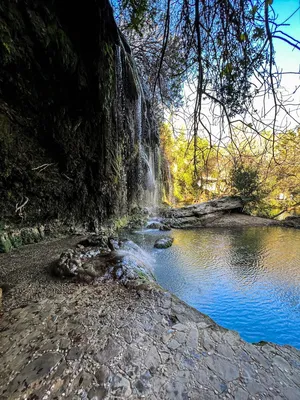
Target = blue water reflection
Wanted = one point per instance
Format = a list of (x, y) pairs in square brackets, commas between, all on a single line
[(245, 279)]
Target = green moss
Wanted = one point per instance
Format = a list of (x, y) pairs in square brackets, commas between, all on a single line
[(132, 79), (5, 243), (16, 239), (261, 343), (142, 275), (42, 232), (30, 235), (121, 223), (107, 75)]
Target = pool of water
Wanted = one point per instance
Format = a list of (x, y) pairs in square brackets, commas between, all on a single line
[(246, 279)]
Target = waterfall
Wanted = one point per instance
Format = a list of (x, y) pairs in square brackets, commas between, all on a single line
[(143, 168), (151, 186)]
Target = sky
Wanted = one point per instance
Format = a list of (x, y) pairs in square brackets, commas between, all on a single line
[(287, 58)]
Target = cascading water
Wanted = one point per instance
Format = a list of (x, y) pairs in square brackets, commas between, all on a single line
[(151, 182), (145, 140)]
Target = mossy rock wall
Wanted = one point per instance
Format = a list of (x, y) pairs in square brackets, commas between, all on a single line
[(73, 116)]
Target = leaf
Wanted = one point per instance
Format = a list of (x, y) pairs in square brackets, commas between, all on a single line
[(254, 10), (227, 70), (244, 37)]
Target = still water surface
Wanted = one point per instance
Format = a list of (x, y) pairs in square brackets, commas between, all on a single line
[(246, 279)]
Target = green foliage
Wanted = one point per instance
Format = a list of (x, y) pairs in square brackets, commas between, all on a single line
[(6, 146), (190, 182), (245, 180), (138, 11), (121, 223), (16, 239), (5, 243), (265, 176)]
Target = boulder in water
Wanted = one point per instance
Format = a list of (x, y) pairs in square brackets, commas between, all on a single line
[(158, 225), (163, 243), (154, 225), (126, 261), (199, 215), (292, 221), (164, 227)]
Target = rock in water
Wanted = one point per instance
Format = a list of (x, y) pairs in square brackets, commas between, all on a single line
[(292, 222), (154, 225), (163, 243), (127, 262), (164, 228), (199, 215), (158, 225)]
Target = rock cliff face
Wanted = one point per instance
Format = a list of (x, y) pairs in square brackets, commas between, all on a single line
[(78, 140)]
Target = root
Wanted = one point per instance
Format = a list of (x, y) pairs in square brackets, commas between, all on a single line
[(19, 208), (41, 167)]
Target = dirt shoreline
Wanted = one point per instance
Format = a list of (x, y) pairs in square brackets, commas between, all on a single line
[(232, 220)]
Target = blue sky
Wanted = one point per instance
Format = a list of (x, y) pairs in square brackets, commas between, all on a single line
[(288, 59)]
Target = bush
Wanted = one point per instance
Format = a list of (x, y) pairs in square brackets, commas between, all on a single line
[(245, 181)]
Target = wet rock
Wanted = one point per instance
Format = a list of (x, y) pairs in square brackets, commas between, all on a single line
[(292, 222), (95, 241), (163, 243), (154, 225), (164, 227), (69, 264), (124, 262)]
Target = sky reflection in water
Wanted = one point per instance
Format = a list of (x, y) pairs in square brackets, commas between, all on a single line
[(246, 279)]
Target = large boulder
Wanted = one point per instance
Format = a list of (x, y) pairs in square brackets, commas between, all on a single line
[(128, 262), (292, 222), (154, 225), (163, 243), (158, 225), (202, 214)]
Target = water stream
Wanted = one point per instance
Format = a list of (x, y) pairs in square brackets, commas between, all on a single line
[(246, 279)]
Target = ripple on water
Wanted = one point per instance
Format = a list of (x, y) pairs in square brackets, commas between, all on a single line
[(246, 279)]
